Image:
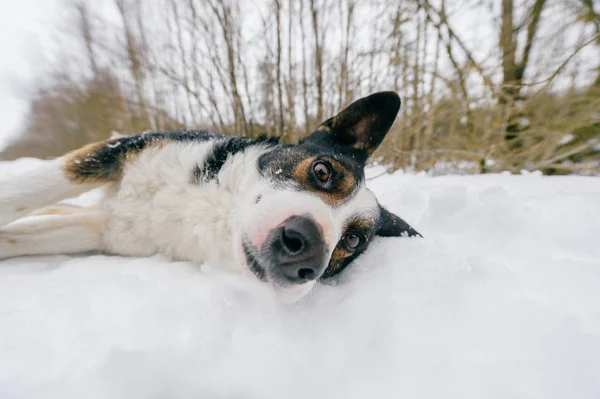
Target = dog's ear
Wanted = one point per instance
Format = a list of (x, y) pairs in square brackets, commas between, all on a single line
[(391, 225), (363, 124)]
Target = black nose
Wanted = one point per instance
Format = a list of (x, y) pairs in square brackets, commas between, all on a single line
[(299, 250)]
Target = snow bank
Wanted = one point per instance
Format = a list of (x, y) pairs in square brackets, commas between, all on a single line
[(500, 300)]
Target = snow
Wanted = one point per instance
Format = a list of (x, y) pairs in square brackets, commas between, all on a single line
[(500, 300)]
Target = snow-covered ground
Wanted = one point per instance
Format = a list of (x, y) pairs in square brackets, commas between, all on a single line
[(500, 300)]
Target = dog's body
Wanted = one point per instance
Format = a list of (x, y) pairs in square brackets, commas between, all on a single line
[(288, 214)]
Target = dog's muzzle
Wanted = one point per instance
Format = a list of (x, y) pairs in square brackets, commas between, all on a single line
[(296, 250)]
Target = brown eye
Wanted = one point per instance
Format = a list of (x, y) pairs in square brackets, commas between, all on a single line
[(353, 240), (322, 171)]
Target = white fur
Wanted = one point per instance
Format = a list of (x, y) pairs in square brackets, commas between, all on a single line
[(53, 234), (46, 184), (277, 205), (157, 208)]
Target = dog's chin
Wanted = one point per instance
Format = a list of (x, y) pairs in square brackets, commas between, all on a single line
[(286, 292), (293, 293)]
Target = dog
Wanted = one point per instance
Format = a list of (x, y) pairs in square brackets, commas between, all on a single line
[(288, 215)]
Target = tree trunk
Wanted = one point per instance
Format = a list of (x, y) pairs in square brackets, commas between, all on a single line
[(291, 84), (307, 121), (87, 34), (318, 58), (281, 119)]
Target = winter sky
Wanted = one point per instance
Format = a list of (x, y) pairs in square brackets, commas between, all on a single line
[(22, 27)]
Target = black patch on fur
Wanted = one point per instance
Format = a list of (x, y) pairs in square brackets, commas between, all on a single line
[(140, 141), (278, 165), (222, 150), (320, 139), (391, 225), (104, 161), (362, 125)]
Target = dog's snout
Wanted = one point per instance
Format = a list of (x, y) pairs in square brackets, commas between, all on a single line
[(292, 238), (300, 250)]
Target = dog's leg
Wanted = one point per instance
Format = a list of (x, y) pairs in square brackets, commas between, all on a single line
[(25, 192), (53, 233), (79, 171), (64, 209)]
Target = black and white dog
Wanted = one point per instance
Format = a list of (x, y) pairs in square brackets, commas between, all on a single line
[(287, 214)]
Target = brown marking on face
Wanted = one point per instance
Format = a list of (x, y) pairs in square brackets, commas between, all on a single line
[(302, 171), (337, 261), (337, 257), (360, 224), (19, 209), (12, 241), (341, 187), (340, 253), (347, 182)]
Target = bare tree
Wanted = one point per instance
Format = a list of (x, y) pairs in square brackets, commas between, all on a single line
[(87, 34), (304, 70), (209, 65), (291, 81), (514, 64), (224, 14), (318, 54), (278, 77), (134, 56), (347, 7)]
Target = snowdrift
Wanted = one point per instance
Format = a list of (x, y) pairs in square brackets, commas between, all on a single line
[(500, 300)]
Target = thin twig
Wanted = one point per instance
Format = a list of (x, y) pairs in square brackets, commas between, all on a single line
[(560, 68), (379, 175)]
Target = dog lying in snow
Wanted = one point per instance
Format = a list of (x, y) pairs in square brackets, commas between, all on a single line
[(286, 214)]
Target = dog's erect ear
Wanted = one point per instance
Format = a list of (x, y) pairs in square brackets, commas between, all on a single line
[(391, 225), (363, 124)]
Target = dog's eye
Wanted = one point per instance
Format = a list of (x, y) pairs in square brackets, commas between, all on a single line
[(352, 240), (322, 171)]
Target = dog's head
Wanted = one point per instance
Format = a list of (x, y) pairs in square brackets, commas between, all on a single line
[(313, 215)]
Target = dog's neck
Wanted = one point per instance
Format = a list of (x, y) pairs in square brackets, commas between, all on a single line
[(187, 221)]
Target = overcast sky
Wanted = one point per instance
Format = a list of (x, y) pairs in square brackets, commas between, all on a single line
[(22, 27)]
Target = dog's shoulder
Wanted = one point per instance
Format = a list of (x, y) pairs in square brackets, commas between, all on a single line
[(226, 147), (104, 161)]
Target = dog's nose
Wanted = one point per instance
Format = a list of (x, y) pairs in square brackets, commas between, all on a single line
[(300, 250)]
